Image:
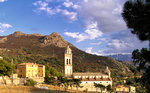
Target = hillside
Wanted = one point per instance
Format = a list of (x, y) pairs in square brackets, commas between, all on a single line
[(49, 50)]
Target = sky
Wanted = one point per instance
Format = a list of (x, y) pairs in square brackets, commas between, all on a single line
[(94, 26)]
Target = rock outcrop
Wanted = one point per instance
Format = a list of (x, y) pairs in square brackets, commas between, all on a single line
[(3, 40), (54, 39)]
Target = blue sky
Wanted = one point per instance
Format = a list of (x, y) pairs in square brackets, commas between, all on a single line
[(94, 26)]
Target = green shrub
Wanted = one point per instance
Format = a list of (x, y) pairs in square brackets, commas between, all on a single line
[(30, 82)]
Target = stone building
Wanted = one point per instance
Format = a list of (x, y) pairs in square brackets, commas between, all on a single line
[(87, 79)]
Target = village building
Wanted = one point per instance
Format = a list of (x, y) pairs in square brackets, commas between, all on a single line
[(87, 79), (31, 70), (1, 57), (125, 89)]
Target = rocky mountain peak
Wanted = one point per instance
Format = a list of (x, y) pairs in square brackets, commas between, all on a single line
[(17, 33), (55, 39), (55, 34)]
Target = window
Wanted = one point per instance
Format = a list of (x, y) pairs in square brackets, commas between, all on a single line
[(69, 61)]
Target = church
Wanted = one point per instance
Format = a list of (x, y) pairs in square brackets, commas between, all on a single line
[(87, 79)]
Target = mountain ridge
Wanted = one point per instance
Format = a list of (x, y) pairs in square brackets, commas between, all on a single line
[(53, 46), (122, 57)]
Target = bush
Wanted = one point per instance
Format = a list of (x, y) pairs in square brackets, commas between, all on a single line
[(30, 82), (49, 80)]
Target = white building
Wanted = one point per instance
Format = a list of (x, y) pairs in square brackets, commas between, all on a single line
[(87, 79), (1, 57)]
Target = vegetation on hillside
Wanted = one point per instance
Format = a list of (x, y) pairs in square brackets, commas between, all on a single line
[(6, 69), (137, 15), (30, 82)]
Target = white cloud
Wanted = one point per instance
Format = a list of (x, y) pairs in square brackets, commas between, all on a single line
[(76, 35), (123, 42), (2, 1), (118, 44), (98, 43), (72, 16), (89, 50), (103, 39), (48, 0), (4, 27), (67, 3), (107, 13), (43, 6), (75, 6), (91, 32)]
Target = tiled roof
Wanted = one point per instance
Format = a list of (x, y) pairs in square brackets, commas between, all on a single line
[(89, 74), (30, 64), (93, 79), (120, 86)]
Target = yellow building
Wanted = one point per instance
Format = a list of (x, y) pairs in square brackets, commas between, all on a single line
[(30, 70)]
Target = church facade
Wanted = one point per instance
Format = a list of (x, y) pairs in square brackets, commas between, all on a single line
[(87, 79)]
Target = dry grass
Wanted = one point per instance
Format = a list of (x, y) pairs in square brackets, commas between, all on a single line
[(25, 89)]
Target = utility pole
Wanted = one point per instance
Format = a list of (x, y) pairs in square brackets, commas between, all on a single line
[(12, 72)]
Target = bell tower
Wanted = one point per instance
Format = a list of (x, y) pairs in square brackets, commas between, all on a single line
[(68, 62), (108, 71)]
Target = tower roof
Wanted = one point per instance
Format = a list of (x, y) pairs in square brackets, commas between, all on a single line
[(68, 48)]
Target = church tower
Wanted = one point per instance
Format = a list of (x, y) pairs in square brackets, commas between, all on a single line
[(68, 62), (108, 71)]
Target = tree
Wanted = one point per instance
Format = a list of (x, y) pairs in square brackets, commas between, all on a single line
[(49, 79), (96, 85), (102, 87), (136, 14), (5, 69), (142, 59), (71, 83), (77, 82), (109, 88), (64, 80), (30, 82)]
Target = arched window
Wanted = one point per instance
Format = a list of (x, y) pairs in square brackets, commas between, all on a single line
[(69, 61)]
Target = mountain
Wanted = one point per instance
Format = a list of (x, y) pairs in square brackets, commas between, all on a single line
[(122, 57), (49, 50)]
